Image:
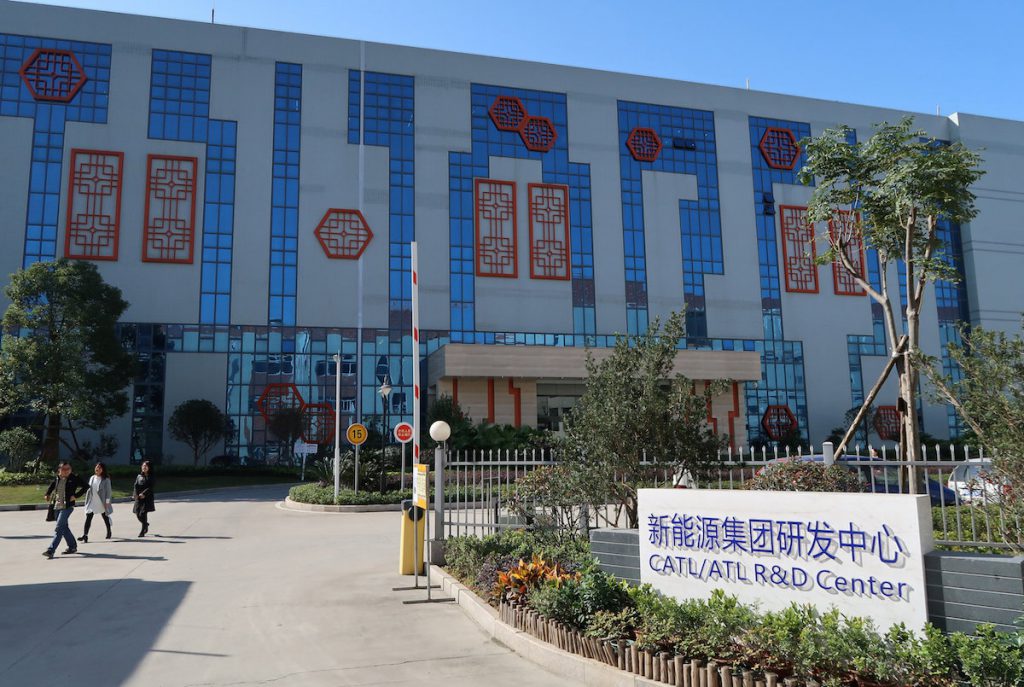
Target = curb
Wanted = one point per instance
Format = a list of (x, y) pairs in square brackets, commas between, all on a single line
[(319, 508), (586, 671), (164, 496)]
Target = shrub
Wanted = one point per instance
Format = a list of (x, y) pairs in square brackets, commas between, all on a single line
[(20, 445), (575, 601), (522, 579), (611, 625), (799, 475), (476, 561), (990, 658), (15, 479), (315, 494)]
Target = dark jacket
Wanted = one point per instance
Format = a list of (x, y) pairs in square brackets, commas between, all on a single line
[(143, 487), (73, 488)]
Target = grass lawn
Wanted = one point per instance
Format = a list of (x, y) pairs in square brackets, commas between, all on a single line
[(33, 493)]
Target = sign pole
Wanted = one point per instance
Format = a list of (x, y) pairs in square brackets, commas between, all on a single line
[(403, 434), (337, 424), (401, 475), (356, 435)]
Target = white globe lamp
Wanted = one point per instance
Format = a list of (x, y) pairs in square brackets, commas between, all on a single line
[(440, 431)]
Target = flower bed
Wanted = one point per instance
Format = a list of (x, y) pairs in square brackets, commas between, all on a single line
[(550, 589)]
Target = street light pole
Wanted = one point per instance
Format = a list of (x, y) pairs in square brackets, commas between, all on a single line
[(385, 392), (337, 425)]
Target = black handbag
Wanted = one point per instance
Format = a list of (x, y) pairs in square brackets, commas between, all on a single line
[(50, 515)]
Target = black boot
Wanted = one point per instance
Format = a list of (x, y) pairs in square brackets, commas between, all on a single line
[(84, 539)]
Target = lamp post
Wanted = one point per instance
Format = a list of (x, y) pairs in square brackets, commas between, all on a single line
[(385, 392), (337, 424)]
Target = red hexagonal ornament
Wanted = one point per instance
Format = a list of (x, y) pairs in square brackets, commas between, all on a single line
[(887, 423), (538, 134), (318, 423), (778, 421), (277, 397), (644, 144), (343, 234), (508, 113), (52, 75), (779, 148)]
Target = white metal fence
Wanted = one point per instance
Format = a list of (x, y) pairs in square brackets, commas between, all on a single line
[(967, 502)]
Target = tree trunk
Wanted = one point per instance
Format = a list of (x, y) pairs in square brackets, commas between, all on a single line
[(908, 400), (51, 444)]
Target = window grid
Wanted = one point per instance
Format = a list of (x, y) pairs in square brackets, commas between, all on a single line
[(284, 196), (556, 167), (952, 306), (782, 363), (179, 110), (699, 221), (88, 105)]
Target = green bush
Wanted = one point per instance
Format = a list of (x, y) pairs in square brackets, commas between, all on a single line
[(20, 445), (315, 494), (15, 479), (990, 658), (799, 641), (473, 559), (800, 475), (612, 625), (574, 602)]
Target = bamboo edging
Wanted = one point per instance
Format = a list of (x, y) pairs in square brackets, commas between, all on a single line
[(660, 667)]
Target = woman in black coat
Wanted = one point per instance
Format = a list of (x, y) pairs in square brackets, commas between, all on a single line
[(142, 495)]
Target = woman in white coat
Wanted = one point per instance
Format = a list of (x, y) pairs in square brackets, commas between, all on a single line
[(97, 500)]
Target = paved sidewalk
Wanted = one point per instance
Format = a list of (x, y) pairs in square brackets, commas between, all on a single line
[(229, 589)]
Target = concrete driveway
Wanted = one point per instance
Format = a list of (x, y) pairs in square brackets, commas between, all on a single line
[(229, 589)]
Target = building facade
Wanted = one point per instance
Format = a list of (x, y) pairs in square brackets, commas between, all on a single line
[(254, 195)]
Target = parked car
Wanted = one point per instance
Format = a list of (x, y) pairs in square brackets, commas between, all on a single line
[(975, 482), (883, 477)]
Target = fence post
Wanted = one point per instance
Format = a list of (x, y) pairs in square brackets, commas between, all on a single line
[(828, 455)]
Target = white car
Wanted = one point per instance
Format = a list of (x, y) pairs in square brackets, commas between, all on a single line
[(975, 482)]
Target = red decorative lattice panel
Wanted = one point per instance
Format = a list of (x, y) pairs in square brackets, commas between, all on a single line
[(887, 423), (54, 75), (495, 209), (644, 144), (318, 423), (549, 232), (94, 205), (508, 113), (169, 234), (798, 251), (845, 225), (538, 134), (343, 234), (779, 148), (277, 397), (777, 422)]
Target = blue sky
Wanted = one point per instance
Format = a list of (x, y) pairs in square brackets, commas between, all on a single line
[(912, 55)]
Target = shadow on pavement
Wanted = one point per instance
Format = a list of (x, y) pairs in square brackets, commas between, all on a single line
[(28, 536), (263, 493), (91, 632), (117, 557)]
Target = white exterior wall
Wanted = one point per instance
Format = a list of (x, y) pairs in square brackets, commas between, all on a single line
[(333, 173)]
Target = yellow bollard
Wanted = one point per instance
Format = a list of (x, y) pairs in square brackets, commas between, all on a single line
[(411, 547)]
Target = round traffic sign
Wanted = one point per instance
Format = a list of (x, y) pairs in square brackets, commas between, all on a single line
[(356, 434), (403, 432)]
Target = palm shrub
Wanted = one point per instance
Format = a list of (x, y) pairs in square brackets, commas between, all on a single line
[(798, 475)]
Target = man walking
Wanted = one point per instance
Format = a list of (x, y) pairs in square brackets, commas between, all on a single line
[(63, 490)]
